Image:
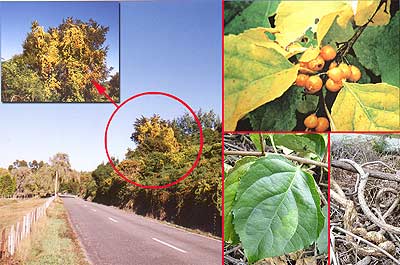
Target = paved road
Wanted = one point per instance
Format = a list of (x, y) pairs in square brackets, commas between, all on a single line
[(111, 236)]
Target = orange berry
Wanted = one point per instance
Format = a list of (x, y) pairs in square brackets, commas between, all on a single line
[(317, 64), (304, 64), (345, 69), (311, 121), (304, 69), (328, 53), (333, 86), (323, 124), (332, 65), (335, 74), (355, 73), (301, 80), (313, 84)]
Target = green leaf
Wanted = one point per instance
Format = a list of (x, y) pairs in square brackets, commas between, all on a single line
[(277, 209), (302, 144), (293, 18), (378, 50), (337, 34), (254, 75), (308, 103), (367, 107), (231, 185), (278, 115), (253, 16), (268, 117), (255, 138), (322, 242), (232, 9), (365, 79)]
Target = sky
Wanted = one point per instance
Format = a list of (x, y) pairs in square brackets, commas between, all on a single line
[(173, 47), (16, 19)]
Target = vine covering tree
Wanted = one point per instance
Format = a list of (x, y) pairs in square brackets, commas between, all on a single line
[(58, 64)]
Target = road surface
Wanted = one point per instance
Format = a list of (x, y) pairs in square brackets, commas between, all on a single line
[(111, 236)]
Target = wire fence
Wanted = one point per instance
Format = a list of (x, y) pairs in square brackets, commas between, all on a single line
[(10, 238)]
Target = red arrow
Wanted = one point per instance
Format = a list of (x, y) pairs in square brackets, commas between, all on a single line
[(102, 90)]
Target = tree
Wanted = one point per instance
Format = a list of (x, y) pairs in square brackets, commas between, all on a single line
[(60, 163), (113, 86), (7, 184), (154, 135), (19, 82), (59, 64), (21, 175)]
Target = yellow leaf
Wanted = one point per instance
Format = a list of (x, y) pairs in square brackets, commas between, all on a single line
[(366, 8), (258, 37), (344, 14), (254, 75), (367, 107), (293, 18), (310, 54)]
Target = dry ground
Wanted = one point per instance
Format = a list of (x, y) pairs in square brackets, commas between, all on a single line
[(12, 210)]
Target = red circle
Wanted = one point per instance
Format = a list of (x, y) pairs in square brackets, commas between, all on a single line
[(196, 162)]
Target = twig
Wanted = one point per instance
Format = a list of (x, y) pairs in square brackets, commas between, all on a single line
[(343, 50), (262, 143), (290, 157), (328, 114), (371, 173), (379, 162), (273, 142), (233, 249), (366, 242), (363, 203)]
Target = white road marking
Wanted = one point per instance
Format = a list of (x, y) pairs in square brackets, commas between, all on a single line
[(115, 221), (93, 210), (168, 245)]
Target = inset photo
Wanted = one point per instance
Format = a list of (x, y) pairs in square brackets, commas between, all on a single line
[(51, 51), (311, 66), (276, 192), (364, 192)]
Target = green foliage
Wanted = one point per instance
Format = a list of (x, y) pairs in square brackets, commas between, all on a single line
[(268, 117), (337, 34), (232, 179), (253, 16), (379, 144), (38, 178), (322, 242), (59, 64), (195, 202), (259, 90), (376, 52), (19, 82), (7, 183), (276, 209), (302, 144)]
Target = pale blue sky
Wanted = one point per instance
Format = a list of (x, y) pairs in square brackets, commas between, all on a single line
[(16, 19), (174, 47)]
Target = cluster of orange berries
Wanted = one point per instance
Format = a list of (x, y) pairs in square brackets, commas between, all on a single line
[(336, 73), (320, 124)]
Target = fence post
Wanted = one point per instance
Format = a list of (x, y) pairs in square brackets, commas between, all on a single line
[(3, 244), (17, 235), (11, 241)]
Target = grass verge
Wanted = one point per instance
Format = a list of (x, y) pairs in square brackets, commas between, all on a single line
[(52, 242)]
